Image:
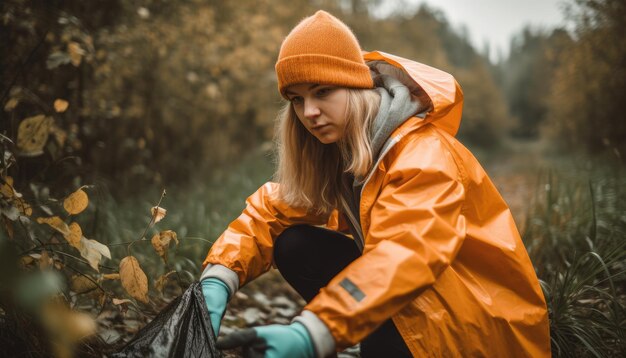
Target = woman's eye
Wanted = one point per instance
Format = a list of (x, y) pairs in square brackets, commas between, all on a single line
[(323, 91), (296, 100)]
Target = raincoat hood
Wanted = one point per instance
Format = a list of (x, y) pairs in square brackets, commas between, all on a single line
[(435, 89)]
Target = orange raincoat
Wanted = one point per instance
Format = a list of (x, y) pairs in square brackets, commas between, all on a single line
[(441, 255)]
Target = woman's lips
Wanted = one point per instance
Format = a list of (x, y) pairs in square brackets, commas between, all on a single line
[(319, 127)]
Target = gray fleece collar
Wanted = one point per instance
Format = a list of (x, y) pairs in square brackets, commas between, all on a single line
[(396, 106)]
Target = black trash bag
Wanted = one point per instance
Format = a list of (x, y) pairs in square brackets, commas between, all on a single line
[(182, 329)]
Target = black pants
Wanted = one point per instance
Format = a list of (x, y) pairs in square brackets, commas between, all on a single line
[(308, 257)]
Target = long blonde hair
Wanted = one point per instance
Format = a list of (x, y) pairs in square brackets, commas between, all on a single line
[(309, 172)]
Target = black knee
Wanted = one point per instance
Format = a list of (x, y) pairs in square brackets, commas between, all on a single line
[(291, 245)]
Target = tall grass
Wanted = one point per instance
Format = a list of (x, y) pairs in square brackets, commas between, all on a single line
[(198, 212), (576, 237)]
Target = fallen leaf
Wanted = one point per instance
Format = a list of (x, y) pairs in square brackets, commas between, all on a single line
[(76, 202), (56, 223), (23, 207), (32, 134), (81, 284), (75, 235), (120, 301), (27, 260), (161, 242), (66, 327), (76, 53), (45, 260), (60, 105), (6, 190), (133, 279), (11, 104), (122, 304), (158, 213)]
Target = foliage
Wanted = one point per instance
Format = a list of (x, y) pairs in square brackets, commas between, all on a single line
[(533, 59), (569, 84), (575, 237)]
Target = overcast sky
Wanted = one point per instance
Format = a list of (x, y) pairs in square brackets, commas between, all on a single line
[(495, 21)]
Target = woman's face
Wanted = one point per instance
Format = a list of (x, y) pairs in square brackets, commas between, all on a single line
[(321, 109)]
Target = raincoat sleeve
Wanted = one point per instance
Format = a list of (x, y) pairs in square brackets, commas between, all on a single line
[(246, 246), (416, 227)]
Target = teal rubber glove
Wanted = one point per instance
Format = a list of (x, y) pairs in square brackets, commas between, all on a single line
[(273, 341), (215, 294)]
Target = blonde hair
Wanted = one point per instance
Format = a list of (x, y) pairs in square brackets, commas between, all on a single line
[(310, 172)]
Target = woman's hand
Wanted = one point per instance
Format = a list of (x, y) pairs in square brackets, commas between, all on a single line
[(215, 294), (273, 341)]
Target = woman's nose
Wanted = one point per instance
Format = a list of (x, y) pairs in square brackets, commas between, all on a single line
[(311, 110)]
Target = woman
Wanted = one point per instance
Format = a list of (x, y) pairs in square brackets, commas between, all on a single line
[(433, 266)]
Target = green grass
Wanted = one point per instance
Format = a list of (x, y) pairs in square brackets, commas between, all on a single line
[(198, 212), (575, 235)]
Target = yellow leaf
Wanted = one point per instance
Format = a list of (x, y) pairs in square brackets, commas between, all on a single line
[(118, 301), (76, 202), (6, 190), (75, 234), (111, 276), (11, 104), (81, 284), (93, 251), (23, 207), (122, 304), (161, 242), (66, 327), (26, 260), (56, 223), (60, 105), (76, 53), (133, 278), (32, 134), (44, 260), (158, 213)]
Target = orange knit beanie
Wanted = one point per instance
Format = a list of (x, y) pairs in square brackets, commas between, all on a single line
[(322, 49)]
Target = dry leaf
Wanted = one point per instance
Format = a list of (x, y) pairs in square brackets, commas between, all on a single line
[(23, 207), (66, 327), (118, 301), (44, 261), (56, 223), (76, 202), (161, 242), (111, 276), (32, 134), (76, 53), (134, 280), (11, 104), (122, 304), (76, 233), (93, 251), (6, 190), (27, 260), (158, 213), (60, 105), (81, 284), (160, 282)]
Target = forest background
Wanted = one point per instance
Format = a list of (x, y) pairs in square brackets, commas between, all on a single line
[(107, 103)]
